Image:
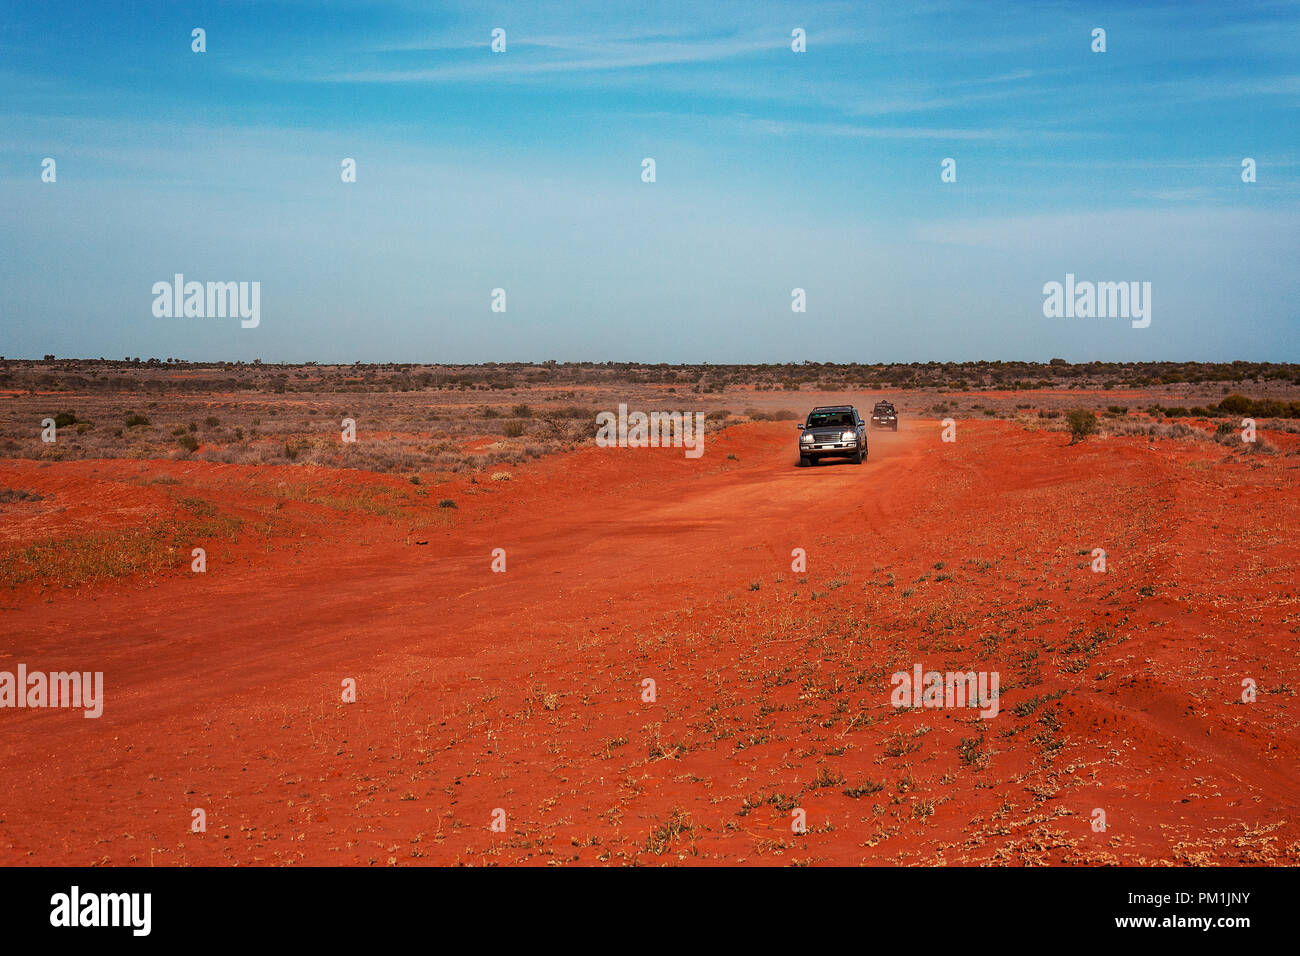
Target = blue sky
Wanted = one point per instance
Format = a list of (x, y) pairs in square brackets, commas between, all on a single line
[(775, 170)]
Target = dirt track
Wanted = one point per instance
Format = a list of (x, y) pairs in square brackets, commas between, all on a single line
[(480, 691)]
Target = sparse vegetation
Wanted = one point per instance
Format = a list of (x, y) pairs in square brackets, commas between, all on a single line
[(18, 494), (864, 789)]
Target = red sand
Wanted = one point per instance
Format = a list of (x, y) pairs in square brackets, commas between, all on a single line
[(522, 691)]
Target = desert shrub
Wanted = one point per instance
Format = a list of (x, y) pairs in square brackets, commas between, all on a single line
[(777, 415), (446, 503), (1082, 423), (1177, 430), (513, 429), (450, 459), (188, 442), (293, 447), (19, 494), (1235, 405), (521, 411), (572, 411), (1258, 408)]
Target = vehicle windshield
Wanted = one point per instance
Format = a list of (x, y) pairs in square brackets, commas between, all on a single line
[(883, 407), (830, 420)]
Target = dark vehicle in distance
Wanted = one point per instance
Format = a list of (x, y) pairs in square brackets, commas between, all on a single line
[(884, 416), (832, 431)]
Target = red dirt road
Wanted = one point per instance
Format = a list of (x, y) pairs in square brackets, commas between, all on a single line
[(522, 691)]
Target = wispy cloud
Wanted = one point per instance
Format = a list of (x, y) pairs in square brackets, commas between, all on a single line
[(578, 56), (578, 42), (776, 127)]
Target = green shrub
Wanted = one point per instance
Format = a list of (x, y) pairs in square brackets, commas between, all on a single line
[(1236, 405), (1082, 424)]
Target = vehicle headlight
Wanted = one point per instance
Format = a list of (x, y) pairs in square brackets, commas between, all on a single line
[(806, 438), (849, 436)]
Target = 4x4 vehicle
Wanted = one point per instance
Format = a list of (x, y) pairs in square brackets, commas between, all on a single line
[(832, 431), (884, 416)]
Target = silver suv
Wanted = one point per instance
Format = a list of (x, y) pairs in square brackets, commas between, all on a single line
[(832, 431)]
